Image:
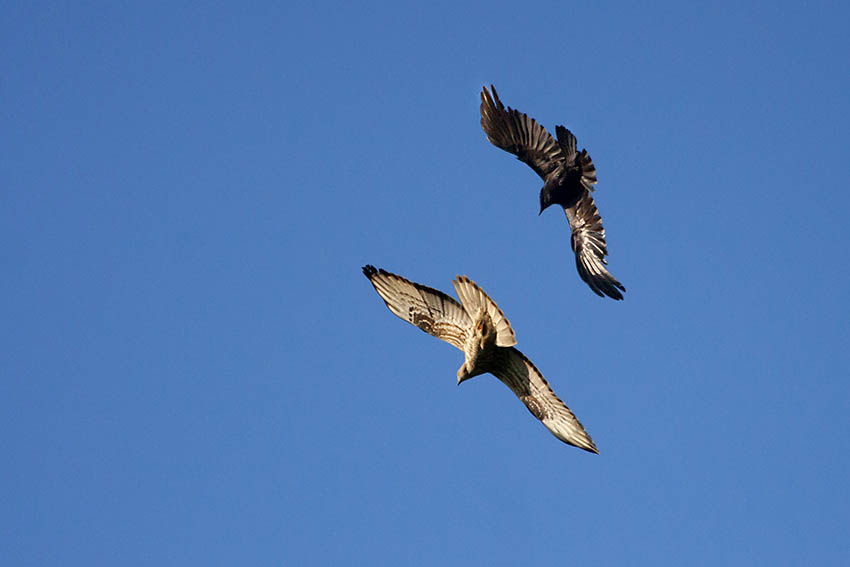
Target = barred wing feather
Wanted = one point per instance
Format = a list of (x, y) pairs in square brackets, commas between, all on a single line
[(429, 309), (520, 375)]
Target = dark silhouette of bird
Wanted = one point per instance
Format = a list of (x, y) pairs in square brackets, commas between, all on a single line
[(568, 180), (478, 327)]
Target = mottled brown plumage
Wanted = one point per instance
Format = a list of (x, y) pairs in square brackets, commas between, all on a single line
[(479, 328)]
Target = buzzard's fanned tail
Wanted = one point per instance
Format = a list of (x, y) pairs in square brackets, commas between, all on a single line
[(473, 298)]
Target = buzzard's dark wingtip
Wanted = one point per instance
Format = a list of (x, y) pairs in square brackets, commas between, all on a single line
[(369, 270)]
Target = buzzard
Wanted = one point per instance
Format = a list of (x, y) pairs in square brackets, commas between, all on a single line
[(568, 179), (478, 327)]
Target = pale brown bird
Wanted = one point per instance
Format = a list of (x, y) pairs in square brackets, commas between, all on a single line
[(478, 327)]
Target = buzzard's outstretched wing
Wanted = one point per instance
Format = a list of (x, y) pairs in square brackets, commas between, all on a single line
[(588, 243), (521, 376), (473, 298), (429, 309), (514, 132)]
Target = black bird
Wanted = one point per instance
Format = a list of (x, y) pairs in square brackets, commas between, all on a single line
[(568, 179)]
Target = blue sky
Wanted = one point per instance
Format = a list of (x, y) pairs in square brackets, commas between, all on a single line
[(195, 372)]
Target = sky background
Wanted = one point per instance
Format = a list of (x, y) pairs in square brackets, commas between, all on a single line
[(195, 371)]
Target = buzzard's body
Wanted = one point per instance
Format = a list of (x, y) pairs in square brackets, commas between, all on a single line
[(478, 327), (568, 179)]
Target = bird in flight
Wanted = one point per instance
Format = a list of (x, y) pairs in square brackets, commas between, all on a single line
[(478, 327), (568, 180)]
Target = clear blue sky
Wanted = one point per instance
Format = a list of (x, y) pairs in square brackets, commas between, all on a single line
[(195, 372)]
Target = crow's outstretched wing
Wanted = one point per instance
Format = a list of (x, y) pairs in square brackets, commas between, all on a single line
[(514, 132), (588, 243)]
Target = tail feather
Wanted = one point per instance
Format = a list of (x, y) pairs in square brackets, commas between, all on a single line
[(473, 298), (567, 141)]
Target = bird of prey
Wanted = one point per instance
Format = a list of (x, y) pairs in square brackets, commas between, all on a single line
[(478, 327), (568, 179)]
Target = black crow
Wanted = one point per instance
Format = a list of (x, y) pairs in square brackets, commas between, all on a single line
[(568, 179)]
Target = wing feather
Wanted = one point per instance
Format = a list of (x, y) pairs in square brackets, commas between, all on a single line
[(588, 244), (431, 310), (517, 133), (520, 375)]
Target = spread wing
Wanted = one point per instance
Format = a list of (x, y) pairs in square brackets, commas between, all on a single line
[(588, 243), (473, 298), (514, 132), (521, 376), (429, 309)]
